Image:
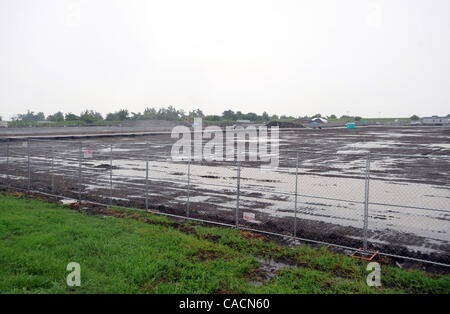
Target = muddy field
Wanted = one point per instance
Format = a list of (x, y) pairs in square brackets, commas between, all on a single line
[(409, 197)]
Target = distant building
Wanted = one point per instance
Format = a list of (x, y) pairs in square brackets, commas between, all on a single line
[(3, 124), (435, 120), (319, 120)]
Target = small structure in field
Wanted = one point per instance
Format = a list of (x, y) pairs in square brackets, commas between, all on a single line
[(319, 120), (435, 120)]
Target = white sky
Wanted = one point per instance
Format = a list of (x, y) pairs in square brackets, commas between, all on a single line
[(369, 58)]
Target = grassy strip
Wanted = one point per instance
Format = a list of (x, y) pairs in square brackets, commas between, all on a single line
[(126, 251)]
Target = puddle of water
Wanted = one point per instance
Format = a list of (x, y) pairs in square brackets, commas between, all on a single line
[(268, 269), (373, 144), (66, 201), (442, 145)]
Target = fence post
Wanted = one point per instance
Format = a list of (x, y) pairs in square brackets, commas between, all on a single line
[(238, 191), (296, 192), (79, 171), (7, 165), (188, 187), (110, 174), (52, 170), (366, 201), (146, 183), (29, 166)]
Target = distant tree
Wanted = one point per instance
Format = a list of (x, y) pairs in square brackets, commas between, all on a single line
[(40, 116), (169, 113), (136, 116), (59, 116), (111, 117), (30, 116), (71, 117), (250, 116), (87, 117), (229, 115), (414, 117), (274, 117), (213, 118), (358, 118), (90, 116), (332, 116), (1, 118), (317, 115), (197, 113), (150, 113), (97, 115), (122, 114), (265, 116)]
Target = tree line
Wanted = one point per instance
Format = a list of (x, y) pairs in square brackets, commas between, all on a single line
[(165, 113)]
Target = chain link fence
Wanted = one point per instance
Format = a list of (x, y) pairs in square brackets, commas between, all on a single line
[(394, 205)]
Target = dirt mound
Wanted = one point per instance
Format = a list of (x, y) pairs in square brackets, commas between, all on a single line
[(292, 124)]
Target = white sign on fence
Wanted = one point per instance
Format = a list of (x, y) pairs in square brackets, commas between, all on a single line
[(88, 154), (249, 216)]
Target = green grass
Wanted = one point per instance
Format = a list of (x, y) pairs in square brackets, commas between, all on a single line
[(127, 251)]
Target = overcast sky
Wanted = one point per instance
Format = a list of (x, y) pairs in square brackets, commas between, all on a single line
[(369, 58)]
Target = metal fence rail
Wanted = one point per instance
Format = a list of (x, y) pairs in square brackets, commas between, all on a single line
[(352, 207)]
